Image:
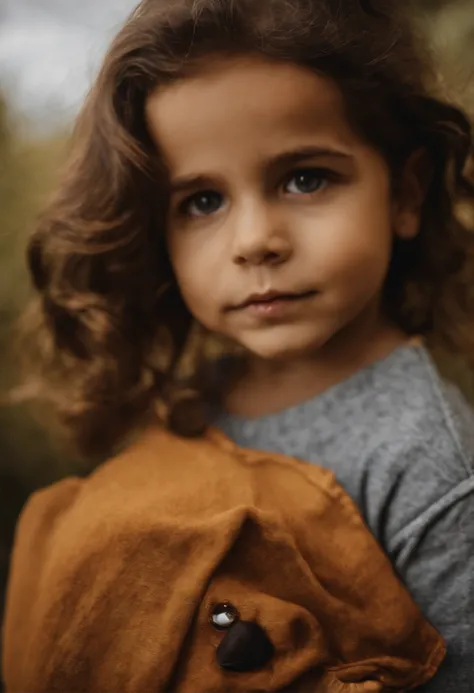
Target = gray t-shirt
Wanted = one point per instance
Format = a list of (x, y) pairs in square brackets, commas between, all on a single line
[(401, 442)]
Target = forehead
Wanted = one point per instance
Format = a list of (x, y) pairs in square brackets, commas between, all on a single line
[(246, 105)]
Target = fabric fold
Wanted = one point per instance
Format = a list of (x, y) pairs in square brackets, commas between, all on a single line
[(114, 579)]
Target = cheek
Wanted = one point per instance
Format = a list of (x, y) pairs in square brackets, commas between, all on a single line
[(364, 251), (195, 272), (363, 267), (355, 238), (351, 252)]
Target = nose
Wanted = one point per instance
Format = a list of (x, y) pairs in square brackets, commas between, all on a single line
[(260, 237), (246, 647)]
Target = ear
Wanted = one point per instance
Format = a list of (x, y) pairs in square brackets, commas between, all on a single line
[(410, 195)]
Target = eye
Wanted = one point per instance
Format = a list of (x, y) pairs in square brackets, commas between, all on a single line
[(202, 204), (307, 181), (223, 616)]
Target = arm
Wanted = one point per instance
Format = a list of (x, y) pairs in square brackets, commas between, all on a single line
[(434, 555)]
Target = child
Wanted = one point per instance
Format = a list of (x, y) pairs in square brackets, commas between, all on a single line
[(286, 178)]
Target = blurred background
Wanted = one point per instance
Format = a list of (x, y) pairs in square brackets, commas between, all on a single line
[(49, 53)]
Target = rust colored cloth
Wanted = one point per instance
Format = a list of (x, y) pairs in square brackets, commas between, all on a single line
[(116, 581)]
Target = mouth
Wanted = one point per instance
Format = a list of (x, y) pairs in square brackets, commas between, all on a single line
[(269, 298)]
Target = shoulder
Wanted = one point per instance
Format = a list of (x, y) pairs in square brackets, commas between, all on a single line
[(420, 451), (415, 406), (423, 420)]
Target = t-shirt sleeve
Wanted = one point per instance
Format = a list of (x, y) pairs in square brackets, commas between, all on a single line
[(434, 556)]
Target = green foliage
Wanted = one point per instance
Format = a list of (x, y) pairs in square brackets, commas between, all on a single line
[(451, 30), (27, 174)]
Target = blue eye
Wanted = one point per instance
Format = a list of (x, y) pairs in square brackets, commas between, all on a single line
[(307, 181), (202, 204)]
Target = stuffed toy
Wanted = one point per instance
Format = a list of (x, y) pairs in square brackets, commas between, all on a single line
[(194, 566)]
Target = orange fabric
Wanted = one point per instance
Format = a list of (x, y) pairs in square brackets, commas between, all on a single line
[(114, 578)]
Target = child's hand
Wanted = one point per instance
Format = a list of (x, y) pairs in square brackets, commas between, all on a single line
[(331, 684)]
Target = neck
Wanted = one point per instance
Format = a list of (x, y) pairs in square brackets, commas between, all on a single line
[(264, 387)]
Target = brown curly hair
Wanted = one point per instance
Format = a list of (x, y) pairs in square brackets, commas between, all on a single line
[(108, 328)]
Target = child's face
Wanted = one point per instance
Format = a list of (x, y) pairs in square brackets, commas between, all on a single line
[(281, 220)]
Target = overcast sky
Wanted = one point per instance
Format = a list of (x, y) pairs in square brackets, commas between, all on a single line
[(50, 51)]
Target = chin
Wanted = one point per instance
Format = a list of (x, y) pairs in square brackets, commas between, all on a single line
[(285, 349)]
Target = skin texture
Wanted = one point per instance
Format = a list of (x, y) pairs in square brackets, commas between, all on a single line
[(272, 190)]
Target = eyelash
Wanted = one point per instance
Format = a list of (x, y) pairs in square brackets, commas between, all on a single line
[(323, 174)]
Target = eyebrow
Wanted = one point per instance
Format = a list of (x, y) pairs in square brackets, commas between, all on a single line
[(182, 184), (297, 155)]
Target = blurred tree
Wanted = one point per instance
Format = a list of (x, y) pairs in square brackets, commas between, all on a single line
[(27, 458), (27, 173), (451, 30)]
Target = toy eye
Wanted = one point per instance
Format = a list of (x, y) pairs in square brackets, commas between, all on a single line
[(224, 616)]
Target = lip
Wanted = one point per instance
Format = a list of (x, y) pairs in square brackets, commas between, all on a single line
[(270, 296), (273, 303)]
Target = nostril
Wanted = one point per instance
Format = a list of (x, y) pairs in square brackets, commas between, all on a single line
[(246, 647), (300, 633)]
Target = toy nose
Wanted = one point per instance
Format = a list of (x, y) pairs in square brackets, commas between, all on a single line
[(246, 647)]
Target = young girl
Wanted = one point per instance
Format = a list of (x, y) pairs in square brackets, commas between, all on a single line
[(286, 179)]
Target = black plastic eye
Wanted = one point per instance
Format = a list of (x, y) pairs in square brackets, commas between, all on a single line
[(223, 616)]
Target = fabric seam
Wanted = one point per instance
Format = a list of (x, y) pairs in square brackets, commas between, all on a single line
[(417, 524), (447, 416)]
